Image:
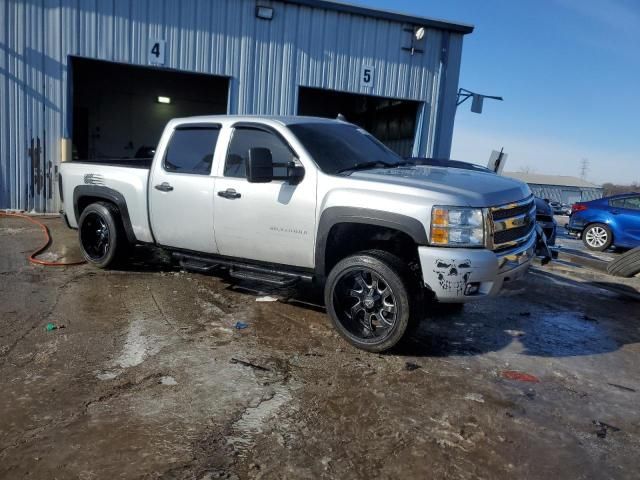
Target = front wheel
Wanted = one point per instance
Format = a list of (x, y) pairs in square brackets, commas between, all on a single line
[(597, 237), (370, 299)]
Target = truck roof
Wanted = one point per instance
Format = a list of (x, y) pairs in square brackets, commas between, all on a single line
[(230, 119)]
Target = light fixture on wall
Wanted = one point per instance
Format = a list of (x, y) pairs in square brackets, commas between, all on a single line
[(417, 40), (166, 100), (266, 13)]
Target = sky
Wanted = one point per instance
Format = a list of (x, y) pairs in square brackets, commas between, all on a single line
[(569, 72)]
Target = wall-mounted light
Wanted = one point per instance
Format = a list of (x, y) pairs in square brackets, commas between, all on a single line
[(164, 100), (417, 39), (263, 12)]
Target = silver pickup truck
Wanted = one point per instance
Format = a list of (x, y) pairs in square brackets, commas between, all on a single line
[(284, 199)]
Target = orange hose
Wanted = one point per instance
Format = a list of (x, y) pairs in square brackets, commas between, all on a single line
[(44, 228)]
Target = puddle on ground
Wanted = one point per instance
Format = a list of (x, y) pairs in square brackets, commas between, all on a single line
[(560, 334), (254, 419), (137, 347)]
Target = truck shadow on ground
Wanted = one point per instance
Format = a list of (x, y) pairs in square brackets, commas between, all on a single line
[(535, 318), (541, 320)]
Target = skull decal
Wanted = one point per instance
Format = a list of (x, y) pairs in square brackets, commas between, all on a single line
[(453, 274)]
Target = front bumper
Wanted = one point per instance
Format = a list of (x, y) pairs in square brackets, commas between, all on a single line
[(457, 275)]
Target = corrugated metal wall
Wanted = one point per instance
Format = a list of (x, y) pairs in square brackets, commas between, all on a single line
[(564, 194), (266, 60)]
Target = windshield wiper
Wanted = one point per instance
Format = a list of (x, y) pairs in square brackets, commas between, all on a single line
[(366, 165)]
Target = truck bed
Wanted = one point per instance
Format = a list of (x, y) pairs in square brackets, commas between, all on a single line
[(125, 177)]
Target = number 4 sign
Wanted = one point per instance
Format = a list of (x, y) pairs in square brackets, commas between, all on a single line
[(156, 52), (366, 79)]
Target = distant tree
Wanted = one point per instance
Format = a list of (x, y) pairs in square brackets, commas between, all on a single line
[(526, 169), (614, 189)]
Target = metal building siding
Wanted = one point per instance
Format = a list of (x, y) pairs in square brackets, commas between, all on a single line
[(266, 61)]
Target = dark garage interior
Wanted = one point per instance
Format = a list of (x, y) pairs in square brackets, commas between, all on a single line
[(391, 121), (117, 111)]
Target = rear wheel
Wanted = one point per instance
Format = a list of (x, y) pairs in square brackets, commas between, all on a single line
[(102, 237), (371, 299), (597, 236)]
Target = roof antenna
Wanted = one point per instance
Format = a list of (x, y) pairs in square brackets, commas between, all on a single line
[(341, 117)]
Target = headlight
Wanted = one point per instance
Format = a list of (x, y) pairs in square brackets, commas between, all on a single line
[(457, 227)]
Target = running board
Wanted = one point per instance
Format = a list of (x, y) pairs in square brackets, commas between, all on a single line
[(263, 277), (243, 271), (196, 266)]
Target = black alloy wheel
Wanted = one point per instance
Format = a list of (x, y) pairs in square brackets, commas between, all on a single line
[(365, 302), (102, 236), (95, 236), (371, 298)]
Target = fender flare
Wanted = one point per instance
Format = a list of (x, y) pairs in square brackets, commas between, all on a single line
[(111, 195), (335, 215)]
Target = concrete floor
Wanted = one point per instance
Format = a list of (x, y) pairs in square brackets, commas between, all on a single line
[(149, 378)]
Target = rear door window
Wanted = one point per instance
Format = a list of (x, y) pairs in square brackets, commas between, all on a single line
[(633, 203), (245, 138), (191, 150)]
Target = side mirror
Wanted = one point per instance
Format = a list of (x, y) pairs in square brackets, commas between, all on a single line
[(259, 166), (295, 174)]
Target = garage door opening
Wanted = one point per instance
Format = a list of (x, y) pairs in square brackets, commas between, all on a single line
[(119, 111), (390, 120)]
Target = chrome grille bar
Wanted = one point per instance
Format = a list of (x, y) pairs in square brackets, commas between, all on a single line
[(512, 224)]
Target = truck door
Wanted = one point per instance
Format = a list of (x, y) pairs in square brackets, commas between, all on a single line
[(271, 222), (181, 189)]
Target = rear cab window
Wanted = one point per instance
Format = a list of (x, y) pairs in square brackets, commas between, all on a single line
[(191, 149)]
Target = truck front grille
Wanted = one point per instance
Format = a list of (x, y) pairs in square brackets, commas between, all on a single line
[(512, 224)]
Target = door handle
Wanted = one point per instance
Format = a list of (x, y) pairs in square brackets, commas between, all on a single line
[(229, 193), (615, 212), (164, 187)]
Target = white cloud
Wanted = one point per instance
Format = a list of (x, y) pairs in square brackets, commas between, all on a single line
[(546, 155)]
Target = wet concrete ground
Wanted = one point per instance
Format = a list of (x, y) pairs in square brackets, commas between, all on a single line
[(150, 379)]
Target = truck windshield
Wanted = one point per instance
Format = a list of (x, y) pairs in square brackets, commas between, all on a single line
[(338, 148)]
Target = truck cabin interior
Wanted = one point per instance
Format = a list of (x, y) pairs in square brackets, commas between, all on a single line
[(119, 111), (390, 120)]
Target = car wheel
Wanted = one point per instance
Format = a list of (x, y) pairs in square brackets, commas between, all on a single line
[(371, 299), (597, 236), (102, 238)]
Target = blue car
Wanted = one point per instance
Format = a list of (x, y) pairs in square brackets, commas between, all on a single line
[(606, 222)]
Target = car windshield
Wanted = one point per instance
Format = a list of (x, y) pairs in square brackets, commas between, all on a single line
[(338, 147)]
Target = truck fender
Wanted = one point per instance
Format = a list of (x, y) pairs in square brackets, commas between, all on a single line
[(335, 215), (109, 194)]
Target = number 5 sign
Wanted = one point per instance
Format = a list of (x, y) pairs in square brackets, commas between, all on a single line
[(366, 79), (156, 52)]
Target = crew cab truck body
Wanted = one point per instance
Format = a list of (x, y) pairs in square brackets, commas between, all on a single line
[(282, 199)]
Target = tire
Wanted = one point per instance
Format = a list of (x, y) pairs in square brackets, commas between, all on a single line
[(626, 265), (368, 316), (101, 234), (597, 237)]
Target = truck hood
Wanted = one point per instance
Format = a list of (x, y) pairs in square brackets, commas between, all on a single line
[(469, 188)]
